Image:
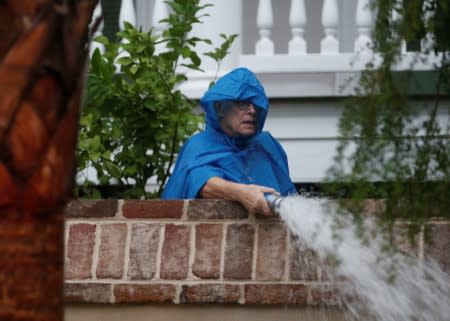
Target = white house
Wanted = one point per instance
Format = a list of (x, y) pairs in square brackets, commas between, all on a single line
[(303, 51)]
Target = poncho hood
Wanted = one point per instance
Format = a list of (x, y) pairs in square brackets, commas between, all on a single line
[(239, 84)]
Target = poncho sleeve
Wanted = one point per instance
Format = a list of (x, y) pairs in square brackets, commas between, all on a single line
[(198, 177), (191, 171)]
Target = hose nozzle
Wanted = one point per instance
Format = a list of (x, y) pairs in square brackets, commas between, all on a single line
[(274, 202)]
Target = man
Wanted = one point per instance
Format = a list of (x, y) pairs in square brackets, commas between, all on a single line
[(232, 158)]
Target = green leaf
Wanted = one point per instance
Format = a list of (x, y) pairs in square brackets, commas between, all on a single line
[(128, 26), (112, 169), (102, 39), (134, 69), (195, 59), (185, 52), (124, 61), (96, 60)]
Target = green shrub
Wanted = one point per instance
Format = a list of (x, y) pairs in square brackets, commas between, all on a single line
[(135, 119)]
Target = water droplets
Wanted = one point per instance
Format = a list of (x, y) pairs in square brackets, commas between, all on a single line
[(379, 285)]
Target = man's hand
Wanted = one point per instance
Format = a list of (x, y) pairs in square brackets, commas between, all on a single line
[(250, 196)]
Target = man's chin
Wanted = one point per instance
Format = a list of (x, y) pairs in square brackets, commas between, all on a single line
[(247, 133)]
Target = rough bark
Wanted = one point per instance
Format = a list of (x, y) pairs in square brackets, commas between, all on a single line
[(42, 66)]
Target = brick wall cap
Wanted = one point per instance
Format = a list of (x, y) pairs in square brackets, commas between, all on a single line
[(155, 209), (215, 209), (91, 208)]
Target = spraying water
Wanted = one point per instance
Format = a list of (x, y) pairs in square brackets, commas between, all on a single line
[(381, 286)]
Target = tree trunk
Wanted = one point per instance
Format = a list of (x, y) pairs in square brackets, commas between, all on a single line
[(42, 53)]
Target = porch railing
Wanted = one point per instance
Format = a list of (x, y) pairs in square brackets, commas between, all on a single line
[(226, 16)]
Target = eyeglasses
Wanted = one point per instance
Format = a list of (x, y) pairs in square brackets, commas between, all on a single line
[(242, 104)]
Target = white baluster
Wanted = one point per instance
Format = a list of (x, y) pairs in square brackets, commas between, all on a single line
[(297, 21), (363, 42), (127, 13), (396, 19), (224, 17), (264, 46), (427, 43), (330, 19), (97, 14), (160, 12)]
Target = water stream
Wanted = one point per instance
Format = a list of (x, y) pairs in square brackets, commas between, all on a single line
[(378, 285)]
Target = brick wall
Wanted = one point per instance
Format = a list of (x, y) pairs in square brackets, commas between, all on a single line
[(197, 251)]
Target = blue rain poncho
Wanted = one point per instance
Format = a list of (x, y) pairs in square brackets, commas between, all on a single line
[(258, 159)]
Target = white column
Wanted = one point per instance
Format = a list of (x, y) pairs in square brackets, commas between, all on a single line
[(160, 11), (143, 16), (97, 14), (225, 16), (396, 19), (427, 43), (264, 46), (127, 13), (330, 20), (297, 21), (363, 42)]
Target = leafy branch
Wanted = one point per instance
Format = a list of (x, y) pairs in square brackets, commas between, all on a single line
[(135, 117)]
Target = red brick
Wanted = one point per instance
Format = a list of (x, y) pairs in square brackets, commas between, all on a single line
[(371, 207), (80, 248), (402, 241), (275, 294), (271, 256), (215, 209), (325, 295), (144, 293), (112, 251), (143, 251), (328, 267), (87, 292), (437, 244), (210, 293), (153, 209), (207, 251), (91, 208), (239, 251), (304, 262), (175, 252)]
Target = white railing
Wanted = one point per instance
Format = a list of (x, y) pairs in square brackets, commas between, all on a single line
[(226, 16), (297, 21)]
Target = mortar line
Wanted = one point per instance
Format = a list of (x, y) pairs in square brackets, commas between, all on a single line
[(112, 297), (67, 226), (162, 231), (199, 281), (420, 246), (241, 294), (120, 204), (96, 253), (255, 251), (192, 249), (287, 260), (222, 250), (126, 260), (184, 216), (178, 289), (176, 221)]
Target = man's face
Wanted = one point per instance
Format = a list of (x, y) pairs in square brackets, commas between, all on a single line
[(240, 119)]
